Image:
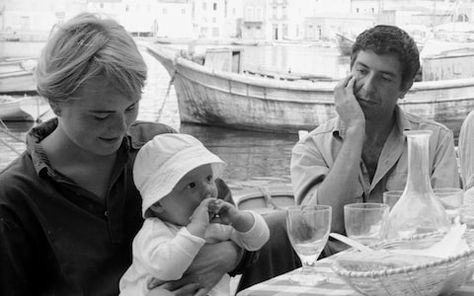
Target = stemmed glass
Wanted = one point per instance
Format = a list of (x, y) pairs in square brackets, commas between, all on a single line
[(308, 230)]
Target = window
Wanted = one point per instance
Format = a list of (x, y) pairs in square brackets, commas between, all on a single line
[(259, 13), (214, 20), (214, 6), (183, 11), (204, 5), (250, 13), (215, 32), (101, 5), (165, 11), (274, 12)]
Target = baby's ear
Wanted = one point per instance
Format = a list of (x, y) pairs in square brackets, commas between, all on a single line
[(157, 208)]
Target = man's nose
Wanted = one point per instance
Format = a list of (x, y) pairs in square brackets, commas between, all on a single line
[(367, 86)]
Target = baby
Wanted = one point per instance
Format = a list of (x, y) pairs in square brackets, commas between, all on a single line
[(176, 177)]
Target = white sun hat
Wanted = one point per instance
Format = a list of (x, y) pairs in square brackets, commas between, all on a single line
[(164, 160)]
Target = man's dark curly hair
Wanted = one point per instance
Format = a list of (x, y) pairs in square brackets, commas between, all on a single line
[(384, 39)]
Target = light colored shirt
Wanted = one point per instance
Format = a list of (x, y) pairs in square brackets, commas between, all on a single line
[(466, 151), (164, 251), (314, 155)]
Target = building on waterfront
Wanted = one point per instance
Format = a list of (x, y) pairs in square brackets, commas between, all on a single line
[(33, 20), (173, 18), (254, 19), (268, 20)]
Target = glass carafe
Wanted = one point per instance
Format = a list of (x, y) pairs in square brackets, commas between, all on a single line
[(418, 210)]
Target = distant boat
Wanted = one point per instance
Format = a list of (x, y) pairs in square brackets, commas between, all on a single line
[(344, 44), (266, 199), (16, 75), (224, 96), (22, 108), (244, 42)]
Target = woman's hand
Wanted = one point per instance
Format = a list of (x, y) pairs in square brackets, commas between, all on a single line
[(211, 263)]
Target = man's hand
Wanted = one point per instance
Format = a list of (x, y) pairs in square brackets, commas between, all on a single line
[(346, 103), (211, 263)]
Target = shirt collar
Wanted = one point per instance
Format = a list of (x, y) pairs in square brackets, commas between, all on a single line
[(35, 149), (401, 122)]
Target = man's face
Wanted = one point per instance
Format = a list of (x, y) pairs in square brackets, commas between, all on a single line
[(378, 83)]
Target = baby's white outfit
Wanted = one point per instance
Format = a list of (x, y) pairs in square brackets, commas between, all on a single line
[(165, 251)]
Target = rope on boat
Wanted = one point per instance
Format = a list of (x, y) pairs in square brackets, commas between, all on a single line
[(5, 130), (160, 111), (268, 198)]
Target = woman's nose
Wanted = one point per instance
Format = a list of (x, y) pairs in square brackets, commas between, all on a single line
[(120, 123)]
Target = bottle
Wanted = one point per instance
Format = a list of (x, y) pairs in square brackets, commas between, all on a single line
[(418, 210)]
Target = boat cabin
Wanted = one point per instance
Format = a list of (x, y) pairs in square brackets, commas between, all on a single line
[(224, 59)]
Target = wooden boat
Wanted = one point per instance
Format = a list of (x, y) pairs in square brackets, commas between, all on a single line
[(228, 98), (344, 44), (22, 108), (16, 76), (266, 199)]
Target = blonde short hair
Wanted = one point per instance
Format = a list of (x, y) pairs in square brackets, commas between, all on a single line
[(88, 47)]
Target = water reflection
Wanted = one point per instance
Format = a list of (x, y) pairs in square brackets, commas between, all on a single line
[(12, 141), (250, 156), (253, 158)]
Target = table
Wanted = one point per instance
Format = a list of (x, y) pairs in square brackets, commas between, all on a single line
[(281, 285)]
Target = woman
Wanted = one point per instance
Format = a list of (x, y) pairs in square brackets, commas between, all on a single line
[(68, 206)]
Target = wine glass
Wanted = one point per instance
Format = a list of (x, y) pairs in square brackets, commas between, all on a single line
[(365, 222), (308, 230)]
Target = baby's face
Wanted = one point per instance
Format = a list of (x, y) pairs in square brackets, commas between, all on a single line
[(188, 193)]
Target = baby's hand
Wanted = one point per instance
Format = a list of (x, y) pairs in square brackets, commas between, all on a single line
[(199, 220), (222, 212), (226, 213)]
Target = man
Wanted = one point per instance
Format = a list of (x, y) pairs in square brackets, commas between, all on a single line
[(362, 152)]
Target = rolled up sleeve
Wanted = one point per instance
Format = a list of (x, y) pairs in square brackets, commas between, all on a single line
[(466, 151), (445, 170), (308, 168)]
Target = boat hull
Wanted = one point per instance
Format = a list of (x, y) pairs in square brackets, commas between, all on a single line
[(17, 83), (242, 102), (16, 76), (22, 108), (10, 110)]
